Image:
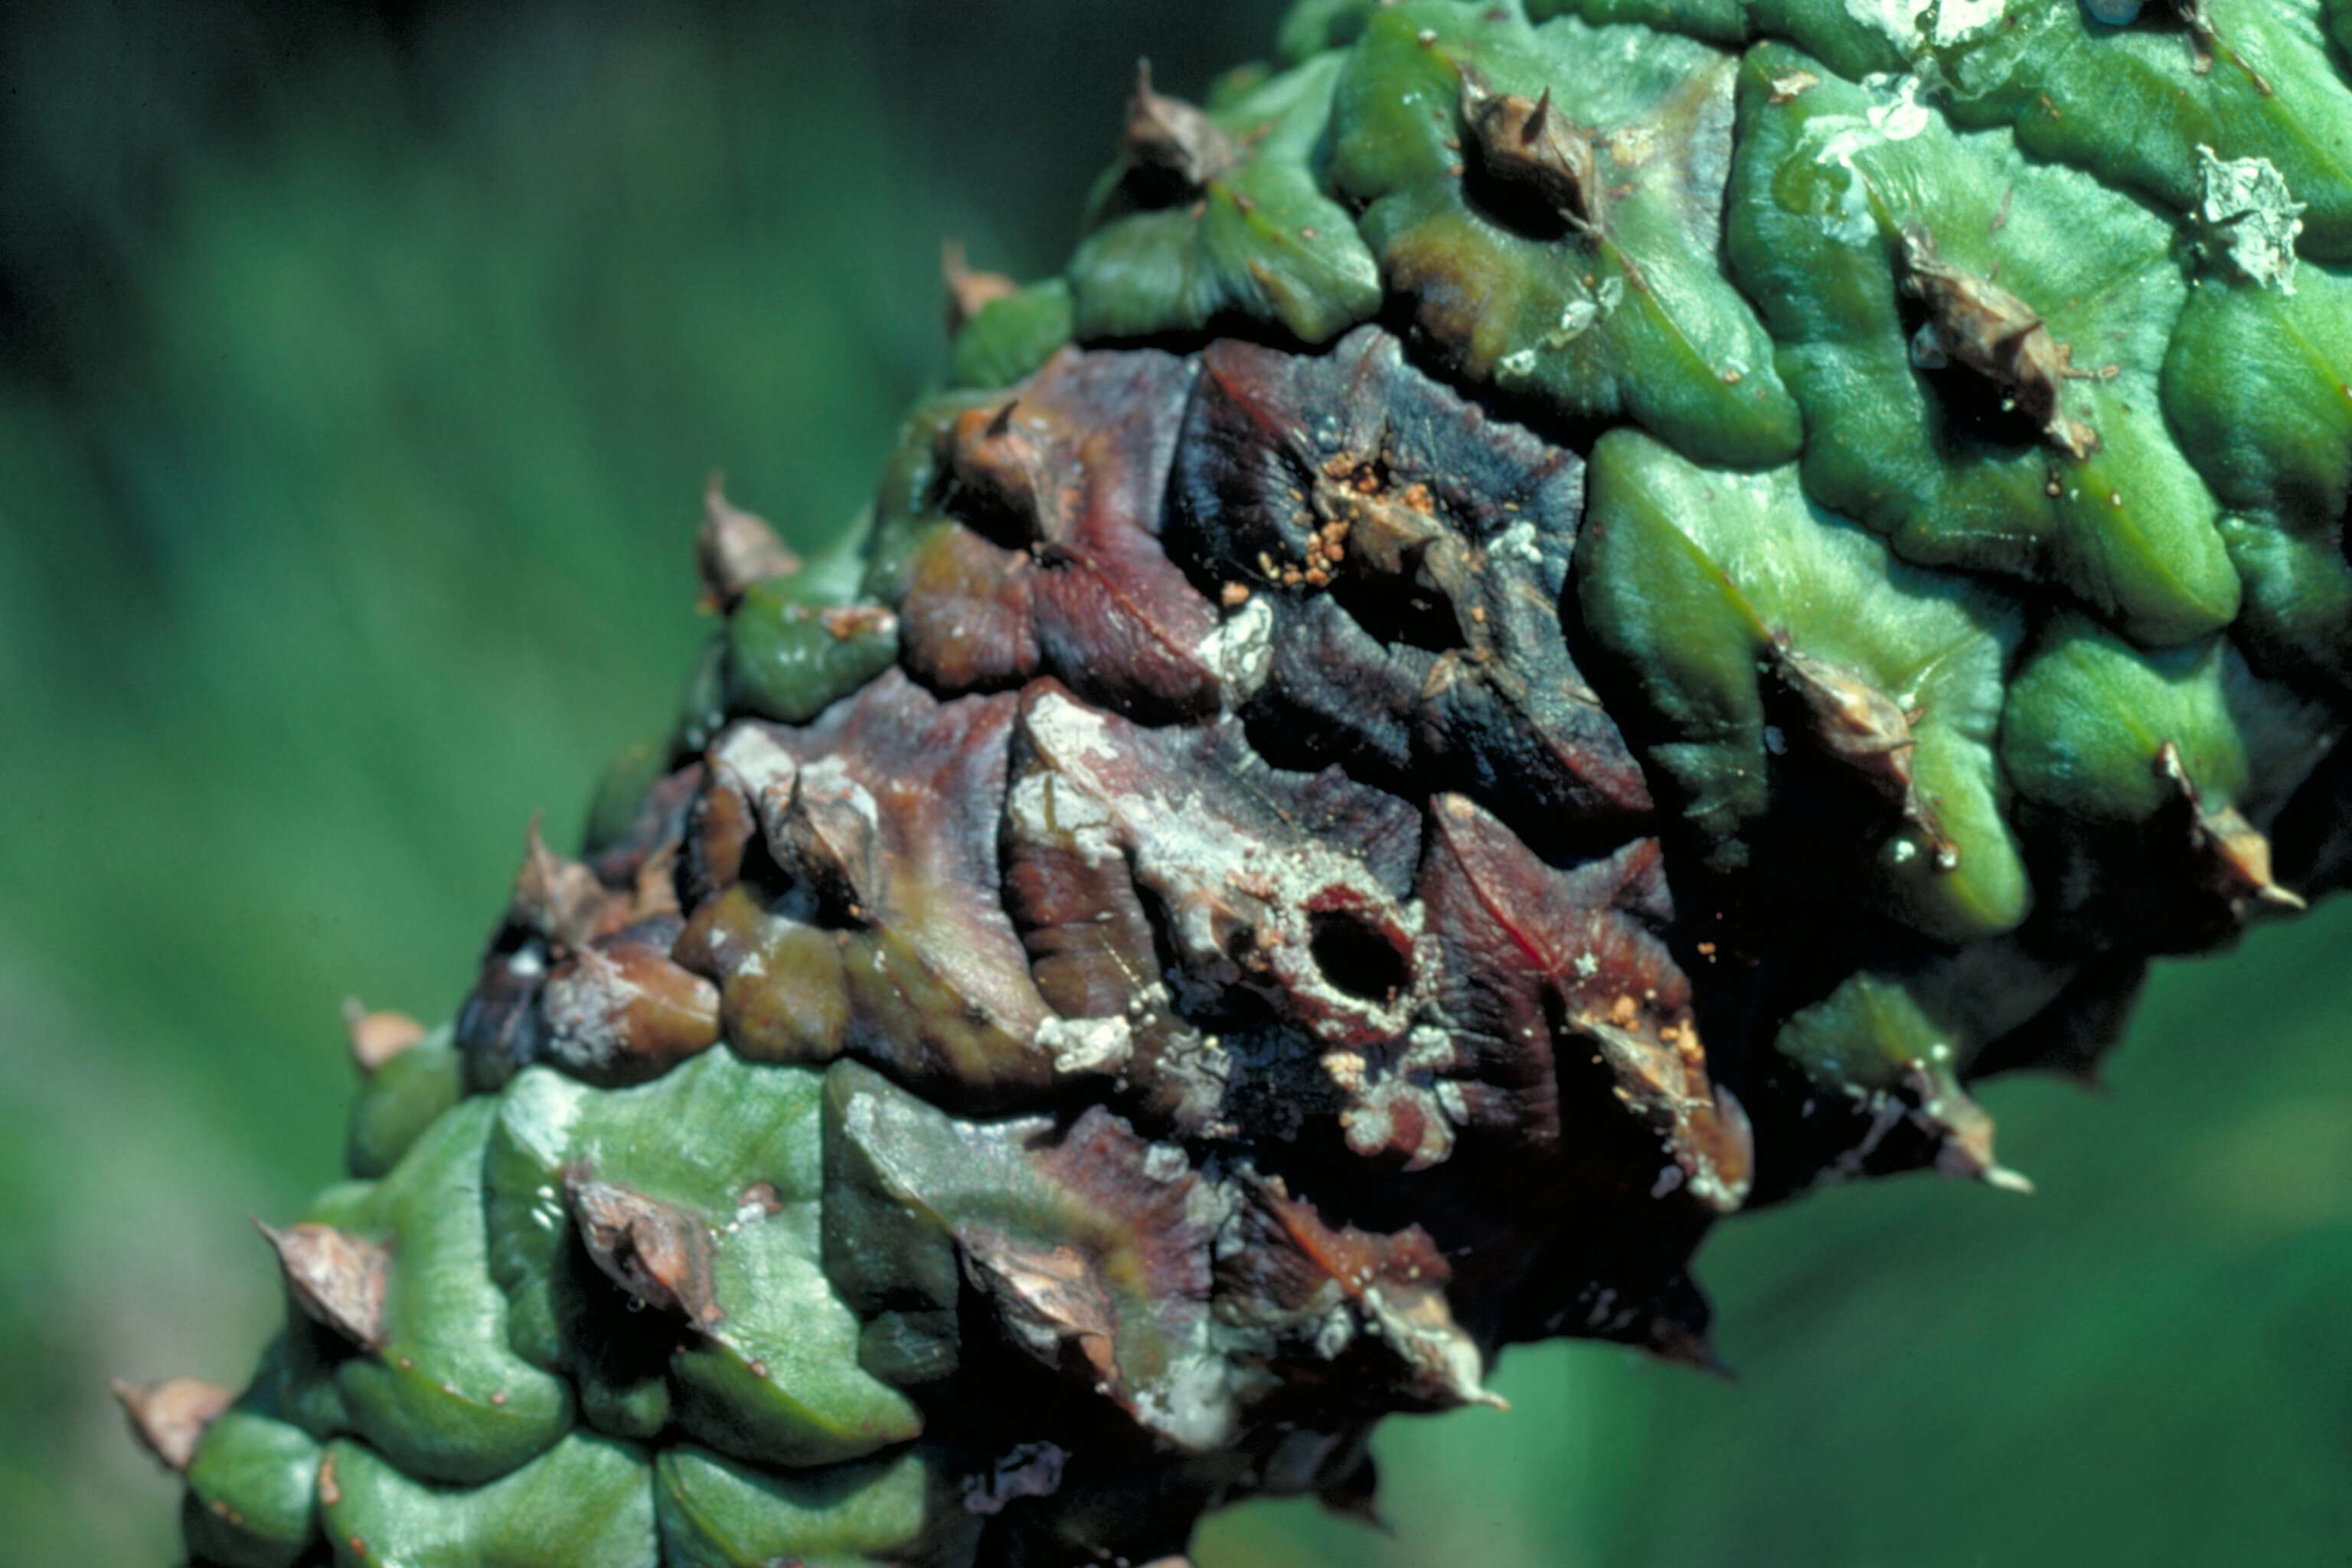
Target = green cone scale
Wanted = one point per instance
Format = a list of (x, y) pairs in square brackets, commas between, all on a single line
[(1260, 239), (1600, 298), (1759, 622), (1574, 615)]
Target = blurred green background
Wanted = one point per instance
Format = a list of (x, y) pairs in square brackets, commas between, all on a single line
[(357, 371)]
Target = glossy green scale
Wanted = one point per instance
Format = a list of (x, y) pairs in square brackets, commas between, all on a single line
[(1009, 337), (788, 660), (1866, 1035), (563, 1314), (777, 1380), (2263, 378), (715, 1513), (779, 655), (252, 1484), (1311, 27), (400, 1099), (1830, 178), (1633, 320), (2089, 714), (588, 1503), (1261, 242), (1855, 39), (1895, 1041), (444, 1397), (2129, 104), (2132, 105), (1687, 576)]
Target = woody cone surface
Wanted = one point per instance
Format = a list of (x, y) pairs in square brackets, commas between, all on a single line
[(1569, 621)]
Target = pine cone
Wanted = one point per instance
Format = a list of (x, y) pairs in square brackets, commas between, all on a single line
[(1555, 633)]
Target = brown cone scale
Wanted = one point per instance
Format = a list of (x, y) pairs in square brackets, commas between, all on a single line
[(169, 1417), (1340, 899)]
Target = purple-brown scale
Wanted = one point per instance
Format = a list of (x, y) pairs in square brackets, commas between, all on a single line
[(1319, 1061)]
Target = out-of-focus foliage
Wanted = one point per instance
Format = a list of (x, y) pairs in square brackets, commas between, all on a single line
[(358, 372)]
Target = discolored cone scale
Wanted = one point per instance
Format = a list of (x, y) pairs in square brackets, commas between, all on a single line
[(969, 291), (1400, 557), (1172, 138), (1862, 729), (2233, 855), (335, 1278), (1992, 331), (169, 1418), (1541, 641), (733, 549), (377, 1039), (1531, 147), (582, 973), (658, 1253)]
